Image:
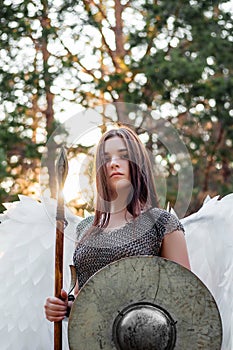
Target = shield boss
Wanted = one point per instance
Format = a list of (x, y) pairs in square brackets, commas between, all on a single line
[(144, 303)]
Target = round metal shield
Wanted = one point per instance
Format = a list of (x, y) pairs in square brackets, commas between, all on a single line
[(126, 294)]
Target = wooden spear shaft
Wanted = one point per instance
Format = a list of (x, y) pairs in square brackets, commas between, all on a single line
[(62, 170)]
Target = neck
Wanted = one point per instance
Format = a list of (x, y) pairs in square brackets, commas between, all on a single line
[(117, 209), (119, 201), (118, 217)]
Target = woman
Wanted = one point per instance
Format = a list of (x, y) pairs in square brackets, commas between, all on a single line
[(127, 219)]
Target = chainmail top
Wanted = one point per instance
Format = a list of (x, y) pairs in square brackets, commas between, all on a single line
[(141, 236)]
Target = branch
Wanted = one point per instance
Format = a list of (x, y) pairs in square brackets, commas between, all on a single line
[(210, 162), (111, 53)]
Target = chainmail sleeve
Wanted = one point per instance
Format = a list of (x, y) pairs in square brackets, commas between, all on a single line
[(169, 221), (141, 236), (83, 226)]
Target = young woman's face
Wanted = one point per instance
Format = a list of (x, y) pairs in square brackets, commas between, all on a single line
[(117, 164)]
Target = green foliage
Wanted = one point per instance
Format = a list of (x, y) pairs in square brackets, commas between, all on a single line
[(157, 53)]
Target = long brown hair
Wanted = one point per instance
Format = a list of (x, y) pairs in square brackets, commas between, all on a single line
[(144, 192)]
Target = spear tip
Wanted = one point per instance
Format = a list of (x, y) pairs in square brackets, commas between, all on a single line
[(62, 167)]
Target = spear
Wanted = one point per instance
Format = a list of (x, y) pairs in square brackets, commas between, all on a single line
[(62, 170)]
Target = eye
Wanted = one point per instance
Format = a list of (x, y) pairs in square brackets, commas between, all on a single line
[(107, 159), (125, 156)]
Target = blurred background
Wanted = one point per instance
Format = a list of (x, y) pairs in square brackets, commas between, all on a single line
[(171, 58)]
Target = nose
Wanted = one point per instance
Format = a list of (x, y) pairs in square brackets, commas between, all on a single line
[(114, 162)]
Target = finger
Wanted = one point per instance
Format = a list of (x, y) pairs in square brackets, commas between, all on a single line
[(55, 315), (64, 295), (55, 319), (55, 308), (54, 301)]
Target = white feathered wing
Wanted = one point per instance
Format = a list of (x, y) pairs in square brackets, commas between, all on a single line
[(27, 249), (209, 236)]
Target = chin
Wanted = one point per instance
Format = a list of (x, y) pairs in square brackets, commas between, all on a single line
[(121, 184), (122, 190)]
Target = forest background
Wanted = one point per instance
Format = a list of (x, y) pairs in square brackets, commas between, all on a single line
[(172, 57)]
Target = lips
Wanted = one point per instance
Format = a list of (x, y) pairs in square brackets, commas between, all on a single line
[(116, 174)]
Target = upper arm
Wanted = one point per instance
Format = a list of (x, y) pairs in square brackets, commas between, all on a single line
[(174, 248)]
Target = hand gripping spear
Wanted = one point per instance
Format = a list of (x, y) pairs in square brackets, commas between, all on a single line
[(62, 170)]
